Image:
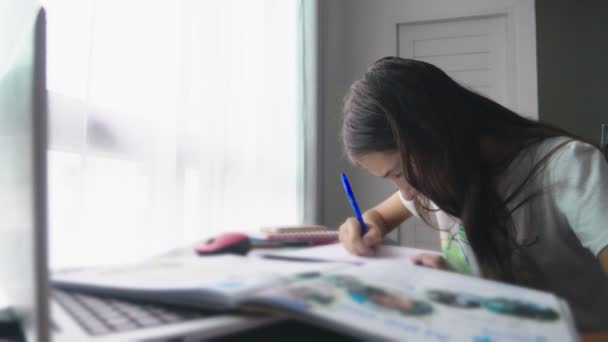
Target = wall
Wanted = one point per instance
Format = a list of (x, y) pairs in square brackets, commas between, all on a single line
[(342, 62), (572, 51)]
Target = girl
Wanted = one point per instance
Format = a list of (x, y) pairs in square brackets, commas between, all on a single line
[(514, 200)]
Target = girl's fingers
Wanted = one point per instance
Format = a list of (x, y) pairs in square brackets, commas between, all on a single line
[(361, 249), (350, 236), (373, 237), (430, 260)]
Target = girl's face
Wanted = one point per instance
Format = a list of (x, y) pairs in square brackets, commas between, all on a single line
[(388, 165)]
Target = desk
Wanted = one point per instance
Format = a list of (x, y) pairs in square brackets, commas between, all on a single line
[(288, 330), (594, 337)]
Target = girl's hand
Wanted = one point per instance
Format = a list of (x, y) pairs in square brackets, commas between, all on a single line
[(350, 237), (431, 260)]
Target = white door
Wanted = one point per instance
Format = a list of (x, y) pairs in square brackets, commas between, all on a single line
[(478, 51), (471, 51)]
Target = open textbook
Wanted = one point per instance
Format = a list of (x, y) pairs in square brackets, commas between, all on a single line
[(379, 299)]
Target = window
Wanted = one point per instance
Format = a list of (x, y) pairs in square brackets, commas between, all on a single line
[(170, 121)]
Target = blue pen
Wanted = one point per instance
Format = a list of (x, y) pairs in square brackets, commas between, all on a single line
[(353, 203)]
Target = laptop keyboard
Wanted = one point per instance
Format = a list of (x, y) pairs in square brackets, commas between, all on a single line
[(103, 315)]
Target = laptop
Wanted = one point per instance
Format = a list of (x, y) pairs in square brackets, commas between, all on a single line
[(45, 313)]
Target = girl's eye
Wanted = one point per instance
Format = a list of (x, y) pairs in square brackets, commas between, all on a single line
[(398, 175)]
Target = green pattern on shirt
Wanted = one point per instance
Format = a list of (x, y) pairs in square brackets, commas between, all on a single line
[(453, 251)]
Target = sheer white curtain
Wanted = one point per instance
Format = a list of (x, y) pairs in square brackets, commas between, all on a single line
[(170, 121)]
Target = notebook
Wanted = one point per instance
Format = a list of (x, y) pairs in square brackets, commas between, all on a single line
[(303, 237), (313, 234), (294, 229)]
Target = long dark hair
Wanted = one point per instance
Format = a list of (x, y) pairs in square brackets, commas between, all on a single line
[(437, 124)]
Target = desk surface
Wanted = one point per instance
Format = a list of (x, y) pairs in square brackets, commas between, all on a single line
[(594, 337)]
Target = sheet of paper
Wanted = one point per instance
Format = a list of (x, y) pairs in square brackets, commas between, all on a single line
[(337, 253)]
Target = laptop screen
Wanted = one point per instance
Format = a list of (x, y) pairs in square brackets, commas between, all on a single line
[(23, 264)]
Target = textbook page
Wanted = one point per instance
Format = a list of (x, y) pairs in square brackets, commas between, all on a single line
[(396, 301), (210, 282), (337, 253)]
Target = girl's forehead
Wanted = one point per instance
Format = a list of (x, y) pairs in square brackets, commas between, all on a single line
[(380, 164)]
